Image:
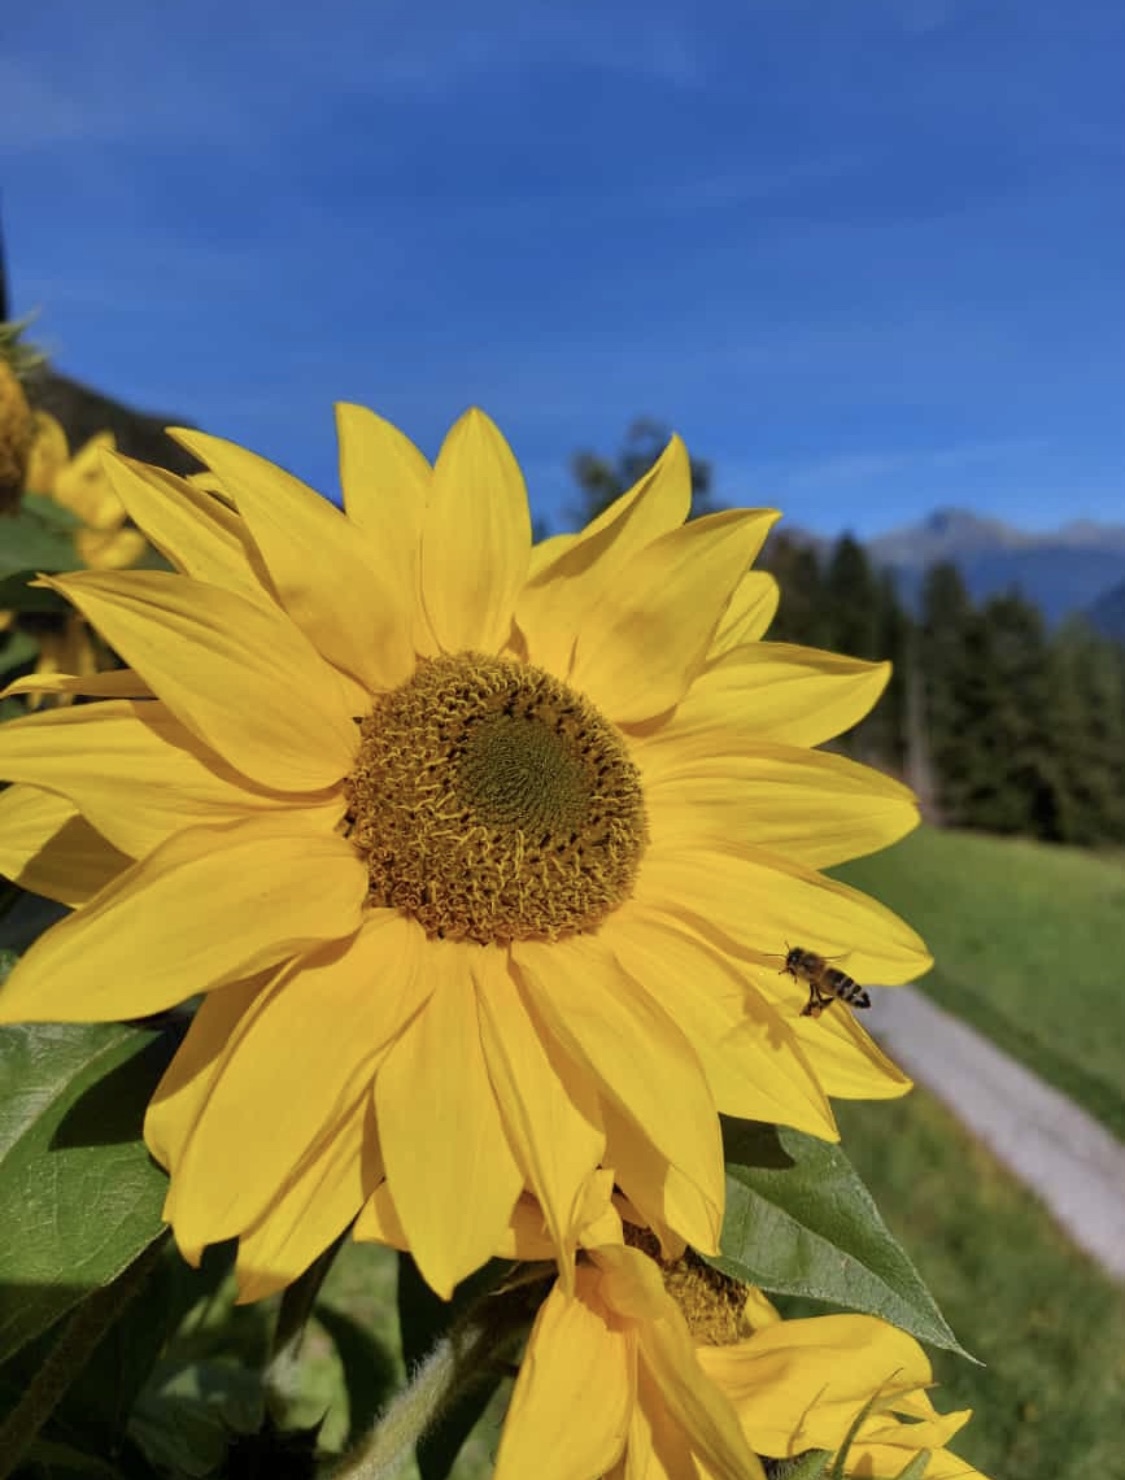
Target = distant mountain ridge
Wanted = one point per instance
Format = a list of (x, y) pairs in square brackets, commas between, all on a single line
[(1079, 568)]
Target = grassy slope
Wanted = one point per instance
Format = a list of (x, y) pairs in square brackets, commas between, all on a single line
[(1030, 948), (1050, 1403)]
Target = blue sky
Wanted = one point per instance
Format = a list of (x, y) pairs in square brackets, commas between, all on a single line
[(865, 255)]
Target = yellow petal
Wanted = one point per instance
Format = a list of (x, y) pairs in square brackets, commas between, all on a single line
[(815, 807), (83, 488), (207, 907), (570, 1408), (109, 549), (641, 1059), (379, 1223), (386, 484), (477, 538), (49, 454), (639, 649), (631, 1283), (47, 848), (316, 1204), (774, 691), (674, 1202), (239, 675), (118, 683), (694, 1401), (800, 1384), (527, 1237), (138, 775), (746, 1050), (556, 1146), (751, 609), (570, 573), (845, 1058), (182, 1092), (345, 594), (295, 1067), (192, 528), (760, 901), (451, 1171)]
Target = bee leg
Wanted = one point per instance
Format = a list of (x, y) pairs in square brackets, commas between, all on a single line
[(814, 1006)]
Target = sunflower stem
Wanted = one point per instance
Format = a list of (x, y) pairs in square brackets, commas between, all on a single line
[(473, 1346)]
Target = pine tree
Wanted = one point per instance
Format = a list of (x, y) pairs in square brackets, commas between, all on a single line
[(1020, 789), (803, 616), (1087, 720), (946, 697), (601, 480), (851, 592)]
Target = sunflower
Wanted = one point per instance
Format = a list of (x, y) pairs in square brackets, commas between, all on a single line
[(81, 485), (484, 855), (101, 541), (679, 1371)]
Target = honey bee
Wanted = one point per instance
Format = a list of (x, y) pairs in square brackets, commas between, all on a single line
[(825, 983)]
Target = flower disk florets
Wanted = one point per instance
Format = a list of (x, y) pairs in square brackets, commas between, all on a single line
[(493, 803)]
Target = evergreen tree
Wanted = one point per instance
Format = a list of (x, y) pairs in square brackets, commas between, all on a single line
[(851, 592), (802, 616), (1017, 784), (1087, 722), (602, 480), (946, 696), (889, 726)]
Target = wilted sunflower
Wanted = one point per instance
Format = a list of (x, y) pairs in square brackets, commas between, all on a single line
[(483, 854), (679, 1371)]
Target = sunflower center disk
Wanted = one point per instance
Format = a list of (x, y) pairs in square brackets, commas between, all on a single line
[(494, 804)]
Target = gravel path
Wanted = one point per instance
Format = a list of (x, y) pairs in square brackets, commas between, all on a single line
[(1065, 1156)]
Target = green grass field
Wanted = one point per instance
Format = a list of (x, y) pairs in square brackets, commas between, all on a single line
[(1030, 948)]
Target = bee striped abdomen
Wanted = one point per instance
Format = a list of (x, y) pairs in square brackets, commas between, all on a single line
[(840, 984), (826, 983)]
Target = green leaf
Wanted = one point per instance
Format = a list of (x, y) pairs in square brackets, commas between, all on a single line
[(17, 649), (186, 1419), (48, 1457), (80, 1197), (800, 1222), (35, 541), (96, 1407), (17, 594), (48, 512)]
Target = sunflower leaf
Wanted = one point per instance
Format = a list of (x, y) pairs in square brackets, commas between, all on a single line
[(17, 594), (80, 1198), (800, 1222), (16, 649), (32, 542)]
